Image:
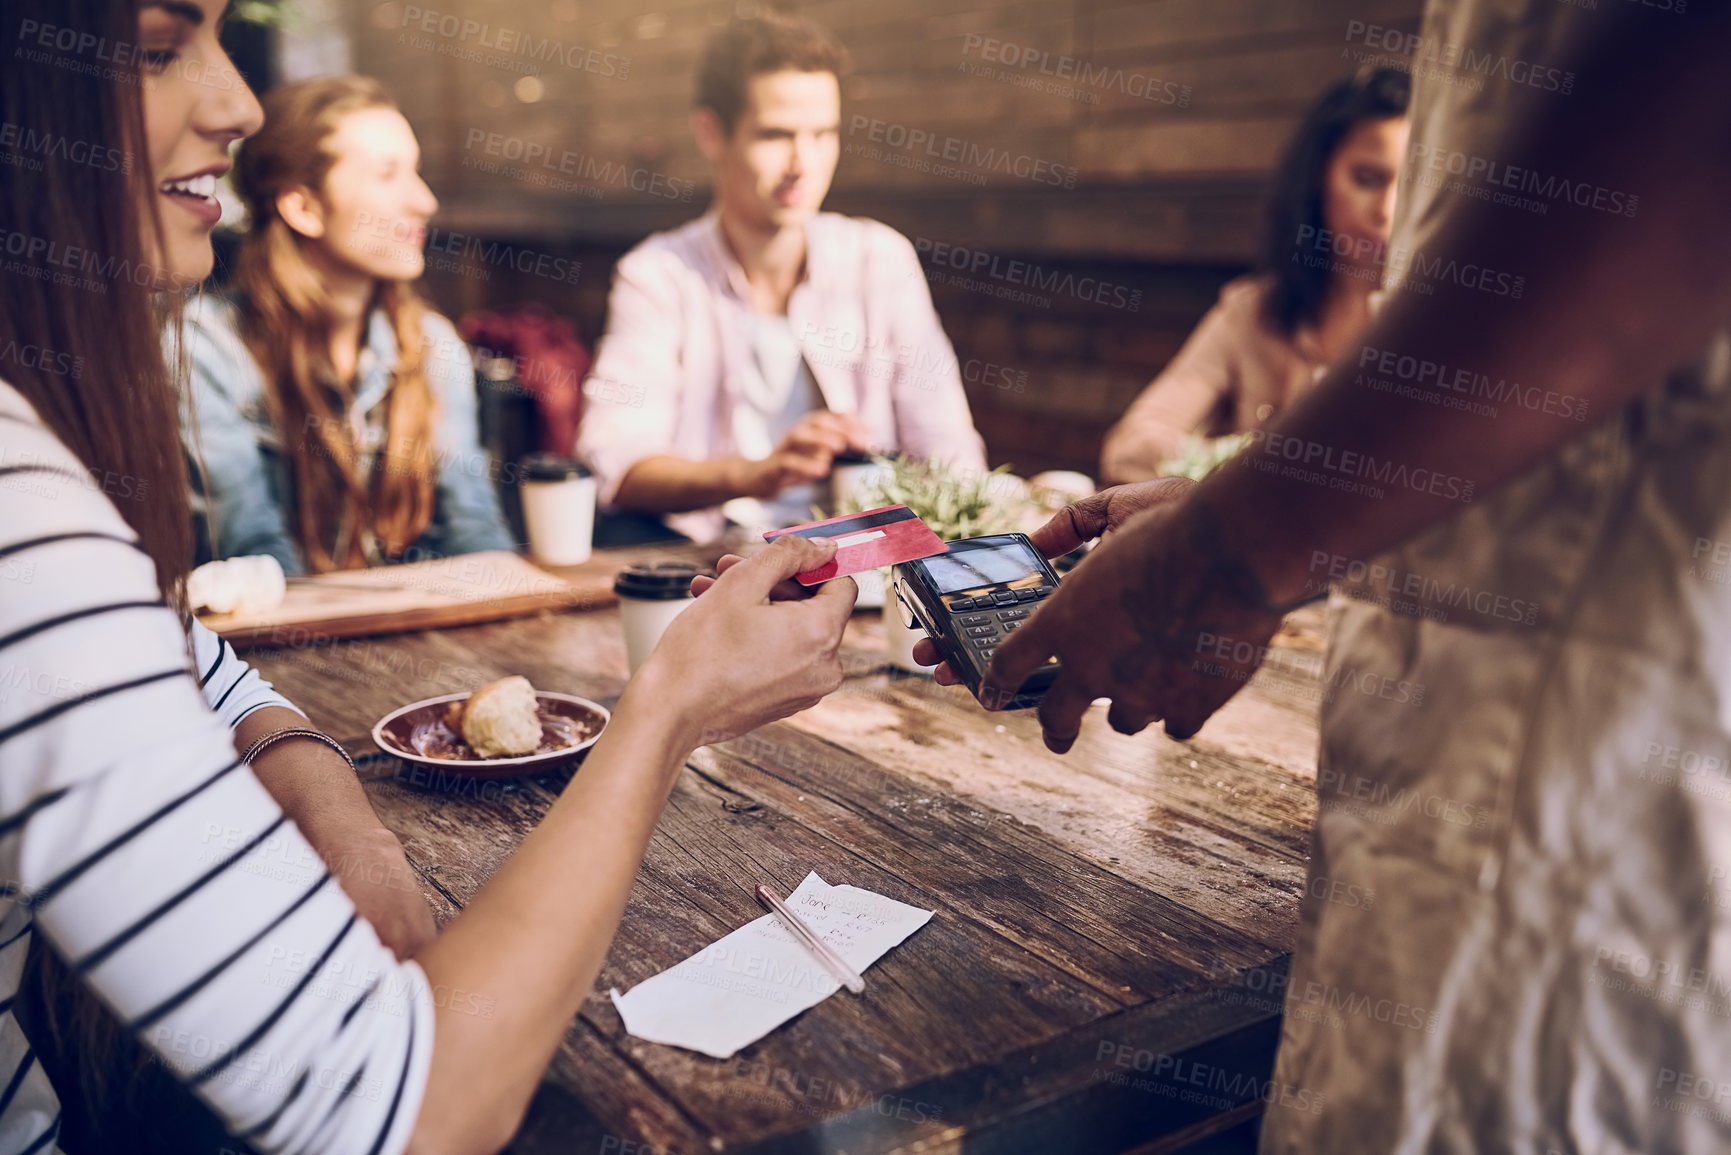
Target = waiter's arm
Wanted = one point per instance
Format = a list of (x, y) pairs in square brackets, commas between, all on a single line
[(1611, 304), (1169, 617)]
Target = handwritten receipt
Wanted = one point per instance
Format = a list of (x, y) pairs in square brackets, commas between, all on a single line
[(734, 992)]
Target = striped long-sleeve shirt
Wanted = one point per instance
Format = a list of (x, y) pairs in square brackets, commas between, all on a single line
[(154, 862)]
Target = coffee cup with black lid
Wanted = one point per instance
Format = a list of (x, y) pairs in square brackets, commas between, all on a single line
[(853, 477), (650, 597), (558, 508)]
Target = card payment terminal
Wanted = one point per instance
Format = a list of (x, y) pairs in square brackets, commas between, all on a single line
[(973, 597)]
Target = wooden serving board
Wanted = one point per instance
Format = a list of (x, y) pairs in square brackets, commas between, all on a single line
[(452, 591)]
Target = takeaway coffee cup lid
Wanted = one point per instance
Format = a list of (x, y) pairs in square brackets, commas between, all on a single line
[(662, 582), (551, 467)]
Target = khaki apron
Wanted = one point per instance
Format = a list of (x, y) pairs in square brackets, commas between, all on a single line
[(1515, 935)]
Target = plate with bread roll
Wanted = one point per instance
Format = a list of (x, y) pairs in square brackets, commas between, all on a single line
[(504, 729)]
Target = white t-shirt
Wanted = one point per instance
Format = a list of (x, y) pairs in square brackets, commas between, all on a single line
[(778, 389)]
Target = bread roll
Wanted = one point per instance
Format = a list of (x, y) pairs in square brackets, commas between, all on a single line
[(501, 719)]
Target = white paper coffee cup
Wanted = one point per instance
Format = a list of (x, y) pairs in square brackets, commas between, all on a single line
[(650, 597), (558, 509)]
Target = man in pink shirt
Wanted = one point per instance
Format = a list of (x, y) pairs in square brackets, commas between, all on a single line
[(748, 349)]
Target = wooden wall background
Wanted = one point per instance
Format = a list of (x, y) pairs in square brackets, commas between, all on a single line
[(1166, 192)]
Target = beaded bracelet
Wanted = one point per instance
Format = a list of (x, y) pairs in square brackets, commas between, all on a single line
[(258, 747)]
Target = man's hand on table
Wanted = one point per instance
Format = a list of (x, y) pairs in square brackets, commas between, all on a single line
[(1154, 619), (756, 646), (806, 454)]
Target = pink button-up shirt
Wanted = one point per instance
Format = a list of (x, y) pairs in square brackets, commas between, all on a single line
[(668, 375)]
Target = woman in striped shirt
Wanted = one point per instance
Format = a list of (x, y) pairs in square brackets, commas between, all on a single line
[(190, 892)]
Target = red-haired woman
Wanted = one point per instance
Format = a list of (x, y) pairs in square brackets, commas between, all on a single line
[(332, 410)]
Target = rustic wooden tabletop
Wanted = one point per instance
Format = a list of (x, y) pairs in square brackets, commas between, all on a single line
[(1105, 967)]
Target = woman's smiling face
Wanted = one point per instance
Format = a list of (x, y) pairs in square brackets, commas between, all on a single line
[(373, 210), (196, 105)]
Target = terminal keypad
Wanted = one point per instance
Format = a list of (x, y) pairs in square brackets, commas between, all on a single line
[(1003, 613)]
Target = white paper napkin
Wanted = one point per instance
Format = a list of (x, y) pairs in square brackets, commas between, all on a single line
[(735, 991)]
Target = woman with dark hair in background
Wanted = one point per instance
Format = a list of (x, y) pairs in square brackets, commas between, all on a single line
[(334, 412), (192, 910), (1273, 331)]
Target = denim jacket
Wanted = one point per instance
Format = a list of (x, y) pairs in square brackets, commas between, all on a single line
[(245, 505)]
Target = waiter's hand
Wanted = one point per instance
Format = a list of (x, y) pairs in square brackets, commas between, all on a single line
[(1157, 618), (806, 454), (1100, 513), (1076, 524)]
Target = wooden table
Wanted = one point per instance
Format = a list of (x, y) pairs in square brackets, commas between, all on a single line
[(1104, 969)]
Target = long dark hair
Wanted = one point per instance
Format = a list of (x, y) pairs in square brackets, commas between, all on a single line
[(1296, 201), (77, 279), (77, 292)]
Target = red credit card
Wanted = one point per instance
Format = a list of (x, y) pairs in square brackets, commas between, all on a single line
[(877, 537)]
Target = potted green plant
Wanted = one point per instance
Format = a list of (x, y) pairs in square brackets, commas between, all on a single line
[(1199, 456)]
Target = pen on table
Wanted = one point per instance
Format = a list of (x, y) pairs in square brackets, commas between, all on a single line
[(834, 963)]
